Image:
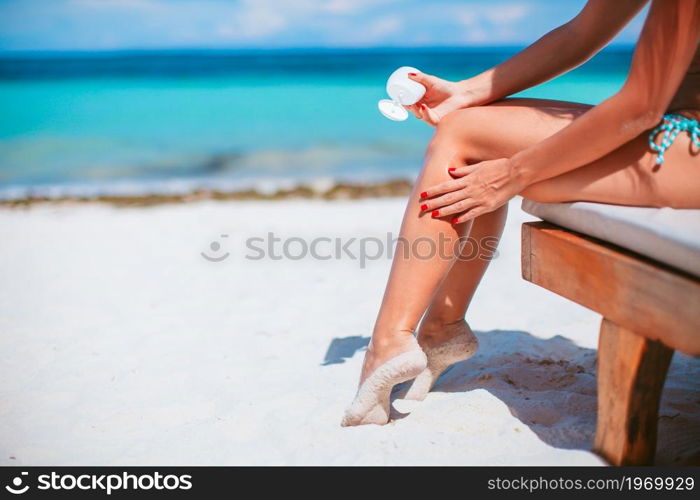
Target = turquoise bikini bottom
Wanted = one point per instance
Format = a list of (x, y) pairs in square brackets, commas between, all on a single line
[(671, 126)]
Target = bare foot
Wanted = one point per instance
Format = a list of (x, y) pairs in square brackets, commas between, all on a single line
[(443, 346), (381, 351), (434, 333), (389, 361)]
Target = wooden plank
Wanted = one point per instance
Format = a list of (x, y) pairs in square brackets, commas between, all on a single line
[(631, 374), (641, 295), (526, 251)]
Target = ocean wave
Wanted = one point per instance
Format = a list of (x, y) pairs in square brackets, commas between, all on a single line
[(233, 170)]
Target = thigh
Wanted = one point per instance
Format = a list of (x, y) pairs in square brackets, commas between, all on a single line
[(501, 129), (630, 176), (495, 131)]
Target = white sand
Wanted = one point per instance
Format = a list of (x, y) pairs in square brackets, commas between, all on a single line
[(120, 344)]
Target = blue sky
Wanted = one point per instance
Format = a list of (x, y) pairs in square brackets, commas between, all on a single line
[(153, 24)]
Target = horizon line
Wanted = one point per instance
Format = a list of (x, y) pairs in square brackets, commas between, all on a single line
[(300, 49)]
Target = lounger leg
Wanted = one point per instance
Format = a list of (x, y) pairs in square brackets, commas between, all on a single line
[(631, 374)]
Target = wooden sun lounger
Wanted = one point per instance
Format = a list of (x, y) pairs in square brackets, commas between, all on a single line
[(649, 310)]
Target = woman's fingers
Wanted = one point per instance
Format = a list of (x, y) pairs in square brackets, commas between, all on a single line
[(455, 202), (457, 207), (475, 190), (429, 115), (442, 188), (423, 78), (420, 110), (460, 171), (443, 200), (470, 214), (412, 109)]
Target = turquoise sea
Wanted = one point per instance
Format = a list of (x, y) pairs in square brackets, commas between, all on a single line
[(77, 123)]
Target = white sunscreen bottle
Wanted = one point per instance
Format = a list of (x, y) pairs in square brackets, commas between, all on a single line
[(403, 92)]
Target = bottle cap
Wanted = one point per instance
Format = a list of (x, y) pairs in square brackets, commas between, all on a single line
[(392, 110)]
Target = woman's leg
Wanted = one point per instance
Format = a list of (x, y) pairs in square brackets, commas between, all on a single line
[(418, 266), (487, 133), (416, 277), (445, 316)]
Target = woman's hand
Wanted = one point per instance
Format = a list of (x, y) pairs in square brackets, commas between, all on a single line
[(476, 190), (441, 97)]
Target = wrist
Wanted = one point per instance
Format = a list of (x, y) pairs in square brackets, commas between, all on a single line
[(521, 171), (474, 92)]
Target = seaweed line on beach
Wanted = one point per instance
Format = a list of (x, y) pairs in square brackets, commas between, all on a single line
[(340, 191)]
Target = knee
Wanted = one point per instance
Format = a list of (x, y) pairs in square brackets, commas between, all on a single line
[(464, 131), (446, 135), (459, 124)]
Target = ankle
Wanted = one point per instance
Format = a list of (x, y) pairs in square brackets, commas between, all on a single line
[(390, 339), (440, 329)]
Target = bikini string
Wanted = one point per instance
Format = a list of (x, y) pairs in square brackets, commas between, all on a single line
[(671, 127)]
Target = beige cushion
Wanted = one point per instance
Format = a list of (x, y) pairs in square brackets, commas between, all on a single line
[(668, 235)]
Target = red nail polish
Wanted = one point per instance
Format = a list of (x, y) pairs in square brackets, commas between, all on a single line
[(454, 221), (424, 194), (451, 169), (436, 213), (424, 207), (412, 74)]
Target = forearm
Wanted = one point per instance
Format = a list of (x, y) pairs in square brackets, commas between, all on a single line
[(598, 132), (558, 51), (666, 46), (553, 54)]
